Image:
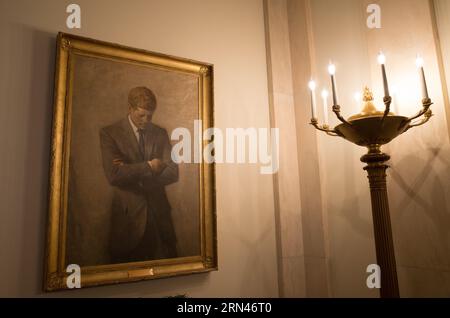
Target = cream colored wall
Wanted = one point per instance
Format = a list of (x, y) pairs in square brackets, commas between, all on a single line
[(301, 236), (292, 271), (313, 218), (229, 34), (442, 21)]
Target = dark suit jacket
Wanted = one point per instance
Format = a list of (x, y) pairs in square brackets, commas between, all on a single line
[(139, 194)]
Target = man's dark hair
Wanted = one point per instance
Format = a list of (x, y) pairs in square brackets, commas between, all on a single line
[(142, 97)]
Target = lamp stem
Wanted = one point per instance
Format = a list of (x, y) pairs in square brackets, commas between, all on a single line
[(384, 245)]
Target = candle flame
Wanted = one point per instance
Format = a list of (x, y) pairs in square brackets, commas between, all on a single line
[(324, 94), (381, 58), (312, 85), (331, 69), (419, 61)]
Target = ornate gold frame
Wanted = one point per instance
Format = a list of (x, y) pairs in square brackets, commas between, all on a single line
[(55, 267)]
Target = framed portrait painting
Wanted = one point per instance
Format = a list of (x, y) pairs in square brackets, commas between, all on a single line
[(122, 206)]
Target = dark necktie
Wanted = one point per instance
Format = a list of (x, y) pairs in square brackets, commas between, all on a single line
[(142, 141)]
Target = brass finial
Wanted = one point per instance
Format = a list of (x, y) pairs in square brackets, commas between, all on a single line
[(368, 96), (369, 109)]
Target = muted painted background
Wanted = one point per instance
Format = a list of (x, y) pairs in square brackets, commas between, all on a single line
[(100, 98)]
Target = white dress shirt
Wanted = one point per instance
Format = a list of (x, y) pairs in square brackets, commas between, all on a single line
[(135, 129)]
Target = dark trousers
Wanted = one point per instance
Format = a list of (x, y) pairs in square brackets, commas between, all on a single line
[(154, 245)]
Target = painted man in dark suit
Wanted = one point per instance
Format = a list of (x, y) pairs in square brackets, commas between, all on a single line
[(137, 163)]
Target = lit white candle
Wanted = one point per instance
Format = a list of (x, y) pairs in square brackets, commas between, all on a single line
[(419, 63), (325, 107), (312, 87), (332, 71), (382, 61)]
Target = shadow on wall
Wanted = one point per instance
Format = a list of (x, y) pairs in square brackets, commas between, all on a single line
[(350, 223), (426, 192), (420, 211), (356, 204), (30, 93)]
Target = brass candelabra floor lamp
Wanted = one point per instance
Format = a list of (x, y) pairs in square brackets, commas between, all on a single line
[(372, 129)]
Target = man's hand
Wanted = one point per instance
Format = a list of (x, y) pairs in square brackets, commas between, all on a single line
[(157, 165), (118, 162)]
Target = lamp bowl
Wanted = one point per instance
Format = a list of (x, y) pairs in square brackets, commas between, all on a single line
[(372, 130)]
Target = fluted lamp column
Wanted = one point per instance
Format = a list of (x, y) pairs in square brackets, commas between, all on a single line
[(376, 172), (384, 245)]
